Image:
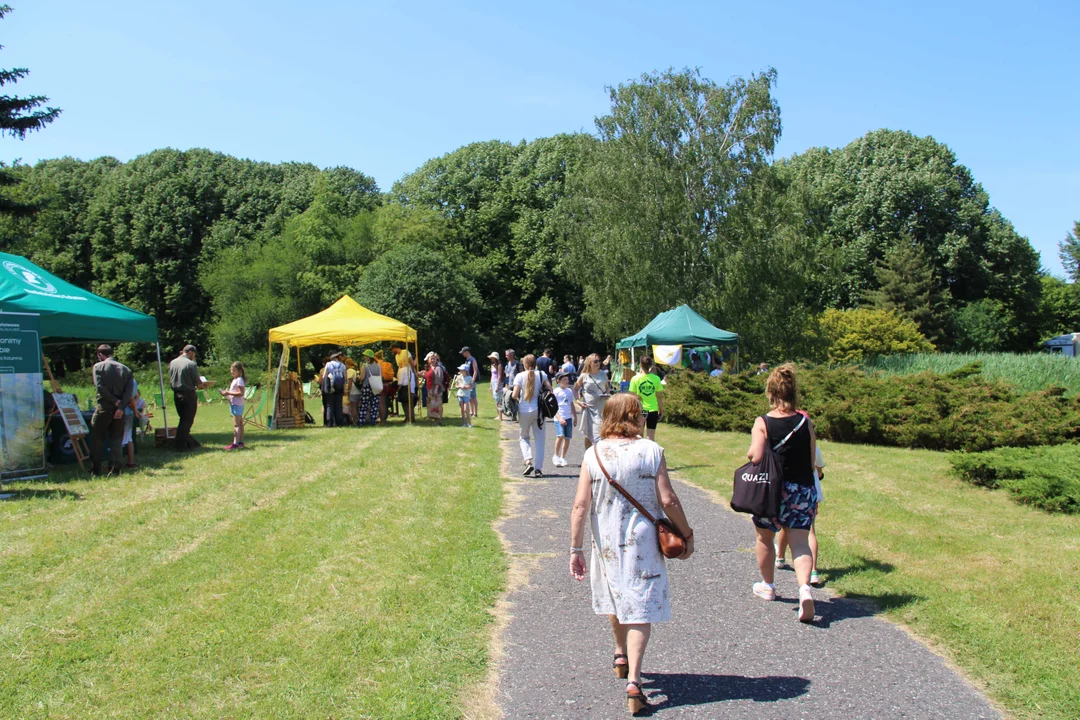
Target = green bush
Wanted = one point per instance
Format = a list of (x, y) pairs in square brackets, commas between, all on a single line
[(959, 411), (860, 333), (1043, 477)]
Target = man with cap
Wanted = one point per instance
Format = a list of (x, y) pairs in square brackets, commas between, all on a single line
[(185, 381), (114, 384), (474, 371), (333, 389)]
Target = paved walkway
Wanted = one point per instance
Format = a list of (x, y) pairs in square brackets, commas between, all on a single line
[(724, 654)]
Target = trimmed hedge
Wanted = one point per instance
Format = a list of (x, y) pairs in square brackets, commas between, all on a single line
[(957, 411), (1044, 477)]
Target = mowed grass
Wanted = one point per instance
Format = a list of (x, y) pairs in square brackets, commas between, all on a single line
[(1030, 372), (331, 573), (990, 584)]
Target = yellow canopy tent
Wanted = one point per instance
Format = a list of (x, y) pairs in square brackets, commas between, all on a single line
[(346, 322)]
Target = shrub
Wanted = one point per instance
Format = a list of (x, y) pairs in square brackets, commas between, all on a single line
[(1042, 477), (855, 335), (961, 411)]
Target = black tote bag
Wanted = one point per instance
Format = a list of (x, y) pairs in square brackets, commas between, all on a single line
[(758, 486)]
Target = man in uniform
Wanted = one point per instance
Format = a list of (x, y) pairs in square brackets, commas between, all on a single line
[(185, 380), (114, 384)]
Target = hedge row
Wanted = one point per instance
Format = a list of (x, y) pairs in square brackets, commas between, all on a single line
[(956, 411), (1043, 477)]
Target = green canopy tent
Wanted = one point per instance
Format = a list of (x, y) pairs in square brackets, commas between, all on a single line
[(678, 326), (68, 314)]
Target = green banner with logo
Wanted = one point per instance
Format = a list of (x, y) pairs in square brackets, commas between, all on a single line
[(22, 407)]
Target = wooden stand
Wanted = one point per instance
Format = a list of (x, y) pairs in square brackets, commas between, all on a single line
[(289, 411), (69, 411)]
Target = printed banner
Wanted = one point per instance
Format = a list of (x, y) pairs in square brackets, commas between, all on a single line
[(667, 354), (22, 406)]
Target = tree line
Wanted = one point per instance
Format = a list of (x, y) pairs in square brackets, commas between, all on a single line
[(569, 241)]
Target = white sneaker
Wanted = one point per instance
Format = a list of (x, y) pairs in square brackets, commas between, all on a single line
[(555, 461), (563, 462), (764, 591), (806, 604)]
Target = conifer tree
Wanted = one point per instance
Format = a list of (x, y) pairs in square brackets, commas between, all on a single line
[(19, 116), (906, 284), (1069, 251)]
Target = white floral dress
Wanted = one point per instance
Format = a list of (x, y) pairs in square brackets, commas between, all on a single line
[(628, 576)]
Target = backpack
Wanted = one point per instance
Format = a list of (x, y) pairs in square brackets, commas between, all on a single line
[(759, 486), (549, 404), (333, 378)]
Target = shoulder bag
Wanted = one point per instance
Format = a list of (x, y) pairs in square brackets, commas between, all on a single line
[(672, 543), (759, 486), (374, 379)]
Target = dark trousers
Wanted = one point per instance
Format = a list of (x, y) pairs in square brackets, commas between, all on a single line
[(103, 425), (186, 403), (335, 413)]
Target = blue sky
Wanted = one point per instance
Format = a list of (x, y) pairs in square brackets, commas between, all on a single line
[(384, 87)]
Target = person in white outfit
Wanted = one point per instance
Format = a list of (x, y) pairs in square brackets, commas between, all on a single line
[(527, 385), (628, 576)]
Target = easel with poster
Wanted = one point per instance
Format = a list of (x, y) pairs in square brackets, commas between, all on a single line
[(68, 407)]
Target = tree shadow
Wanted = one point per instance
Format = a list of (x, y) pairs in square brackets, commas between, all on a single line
[(36, 494), (861, 565), (681, 689), (677, 468), (838, 609)]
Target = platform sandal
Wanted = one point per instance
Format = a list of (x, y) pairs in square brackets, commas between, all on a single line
[(622, 671), (637, 701)]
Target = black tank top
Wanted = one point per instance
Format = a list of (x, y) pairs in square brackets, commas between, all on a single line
[(795, 453)]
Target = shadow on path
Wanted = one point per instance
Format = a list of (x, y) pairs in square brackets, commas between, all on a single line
[(682, 689)]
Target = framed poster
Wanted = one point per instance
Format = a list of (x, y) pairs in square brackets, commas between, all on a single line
[(68, 407), (22, 397)]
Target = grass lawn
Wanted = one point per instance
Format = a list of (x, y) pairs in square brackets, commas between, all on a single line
[(991, 584), (332, 573)]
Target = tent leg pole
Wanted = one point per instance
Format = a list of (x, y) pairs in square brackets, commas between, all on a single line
[(161, 384)]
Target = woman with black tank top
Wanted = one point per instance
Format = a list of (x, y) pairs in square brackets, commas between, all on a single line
[(798, 503)]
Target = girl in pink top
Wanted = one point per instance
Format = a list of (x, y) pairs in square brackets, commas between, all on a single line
[(235, 395)]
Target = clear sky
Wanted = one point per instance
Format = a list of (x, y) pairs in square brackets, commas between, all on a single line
[(384, 87)]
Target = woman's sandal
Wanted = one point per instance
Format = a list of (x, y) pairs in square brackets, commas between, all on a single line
[(635, 701), (622, 670)]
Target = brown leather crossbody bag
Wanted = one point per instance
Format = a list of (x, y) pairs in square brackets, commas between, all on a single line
[(672, 542)]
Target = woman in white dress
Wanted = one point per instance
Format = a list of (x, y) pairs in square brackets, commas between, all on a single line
[(629, 579), (594, 388)]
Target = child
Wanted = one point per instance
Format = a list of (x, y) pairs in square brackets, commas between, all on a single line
[(463, 385), (564, 425), (781, 538), (235, 394), (133, 418)]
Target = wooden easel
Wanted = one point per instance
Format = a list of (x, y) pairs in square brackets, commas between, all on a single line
[(69, 411)]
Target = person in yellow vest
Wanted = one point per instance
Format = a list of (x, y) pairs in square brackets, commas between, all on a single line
[(647, 386)]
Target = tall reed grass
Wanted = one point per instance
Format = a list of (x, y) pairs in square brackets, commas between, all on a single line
[(1028, 372)]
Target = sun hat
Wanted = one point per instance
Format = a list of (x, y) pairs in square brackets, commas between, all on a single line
[(368, 353), (463, 366), (428, 356), (493, 355)]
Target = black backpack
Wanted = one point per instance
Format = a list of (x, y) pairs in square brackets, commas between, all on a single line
[(549, 404), (759, 486)]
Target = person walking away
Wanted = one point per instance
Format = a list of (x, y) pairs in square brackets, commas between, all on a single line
[(406, 378), (628, 574), (463, 386), (526, 392), (235, 396), (351, 395), (388, 385), (436, 383), (593, 390), (497, 383), (134, 417), (781, 537), (798, 503), (569, 368), (185, 381), (474, 371), (333, 386), (513, 367), (366, 403), (114, 384), (647, 386), (319, 378), (545, 363), (564, 420)]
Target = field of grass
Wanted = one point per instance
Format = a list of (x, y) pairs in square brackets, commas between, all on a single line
[(989, 583), (1036, 371), (331, 573)]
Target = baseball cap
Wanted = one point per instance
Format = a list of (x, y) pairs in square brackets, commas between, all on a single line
[(464, 350), (428, 356)]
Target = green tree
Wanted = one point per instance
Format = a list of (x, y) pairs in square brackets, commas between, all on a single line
[(423, 288), (982, 326), (1060, 309), (862, 333), (890, 187), (906, 284), (1069, 251), (648, 214)]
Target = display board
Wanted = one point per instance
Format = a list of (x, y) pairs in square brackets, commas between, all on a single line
[(22, 398), (68, 407)]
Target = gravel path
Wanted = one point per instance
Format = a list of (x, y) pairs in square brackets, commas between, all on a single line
[(724, 654)]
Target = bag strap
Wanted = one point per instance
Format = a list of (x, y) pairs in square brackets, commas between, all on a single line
[(648, 516), (788, 436)]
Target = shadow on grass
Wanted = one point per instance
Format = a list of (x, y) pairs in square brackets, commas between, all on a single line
[(838, 609), (677, 468), (861, 565), (42, 494), (681, 689)]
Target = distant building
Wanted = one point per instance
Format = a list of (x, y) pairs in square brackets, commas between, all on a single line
[(1067, 344)]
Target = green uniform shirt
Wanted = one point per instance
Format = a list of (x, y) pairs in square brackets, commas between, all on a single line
[(646, 387), (184, 374)]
